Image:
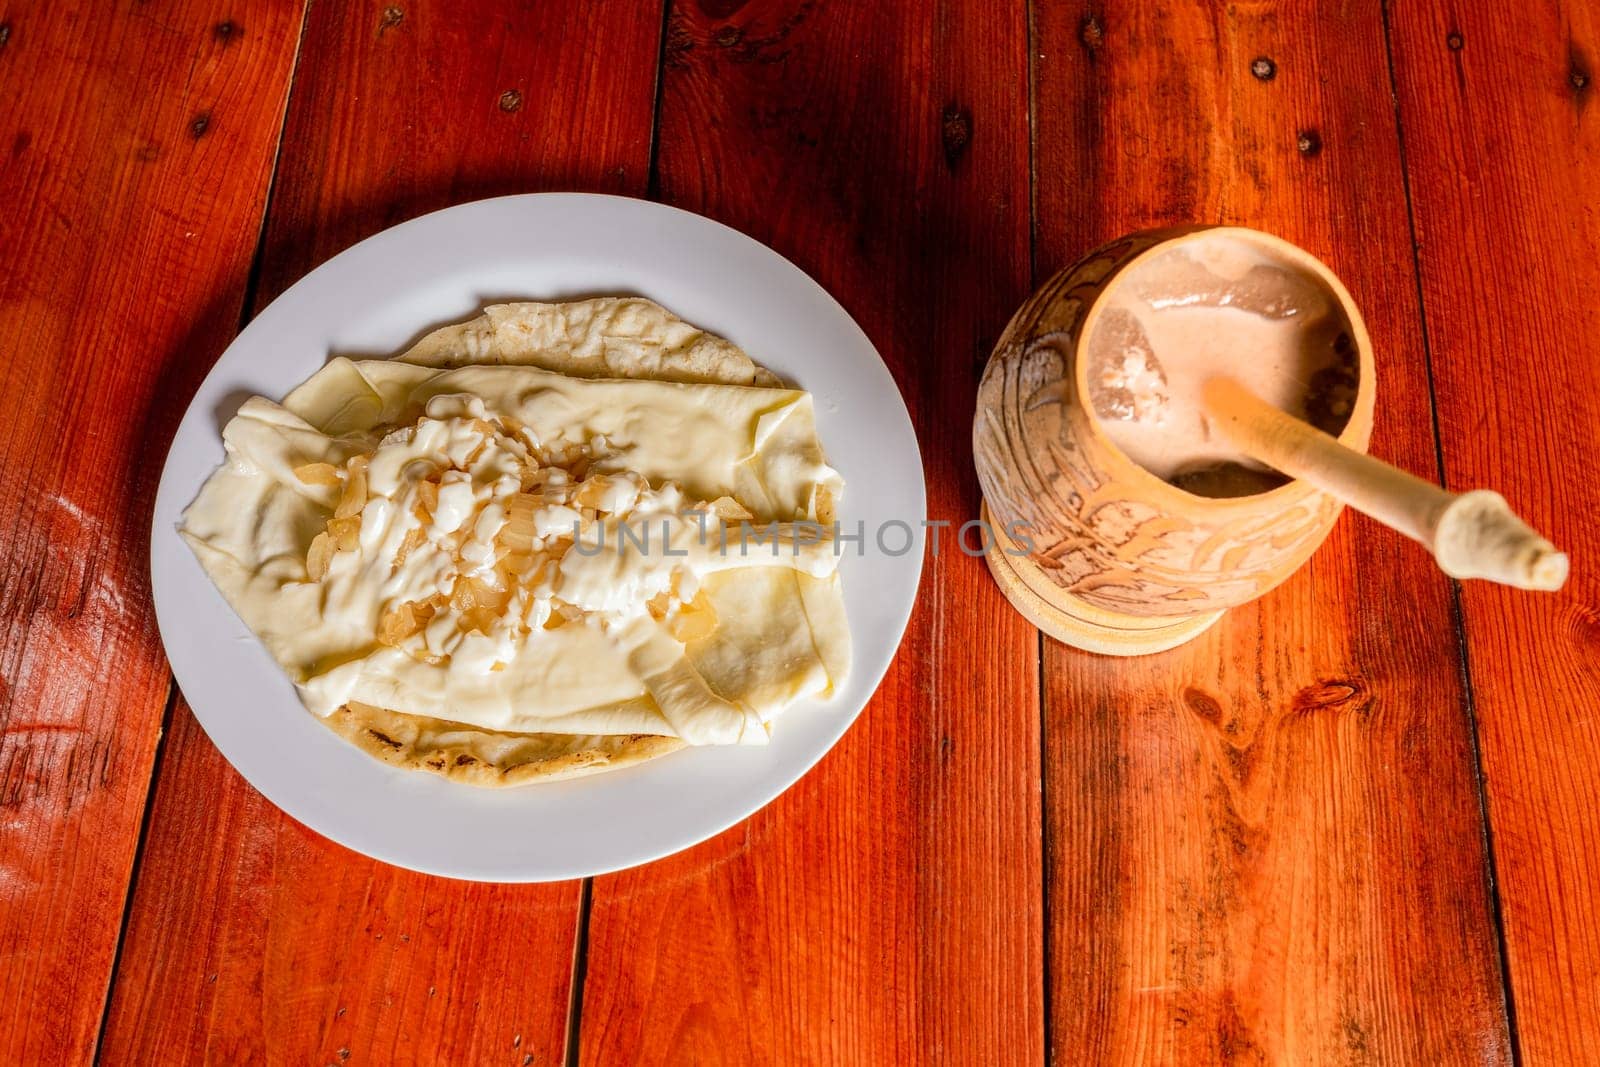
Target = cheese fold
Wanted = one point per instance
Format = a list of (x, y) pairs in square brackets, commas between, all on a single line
[(612, 668)]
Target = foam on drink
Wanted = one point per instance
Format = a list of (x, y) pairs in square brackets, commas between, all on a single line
[(1215, 305)]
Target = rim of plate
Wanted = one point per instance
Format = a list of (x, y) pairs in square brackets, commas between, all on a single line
[(371, 300)]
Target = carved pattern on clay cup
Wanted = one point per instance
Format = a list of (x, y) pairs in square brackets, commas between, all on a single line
[(1122, 561)]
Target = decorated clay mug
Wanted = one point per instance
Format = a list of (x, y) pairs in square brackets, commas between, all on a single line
[(1091, 547)]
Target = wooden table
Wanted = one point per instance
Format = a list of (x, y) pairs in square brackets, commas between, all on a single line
[(1356, 822)]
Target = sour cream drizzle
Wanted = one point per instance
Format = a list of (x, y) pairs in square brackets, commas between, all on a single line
[(610, 552)]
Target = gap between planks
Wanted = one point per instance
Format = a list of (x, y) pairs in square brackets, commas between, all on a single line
[(246, 313), (1457, 613), (580, 942)]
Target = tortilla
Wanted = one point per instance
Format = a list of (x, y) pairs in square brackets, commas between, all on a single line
[(486, 758), (608, 337), (800, 617)]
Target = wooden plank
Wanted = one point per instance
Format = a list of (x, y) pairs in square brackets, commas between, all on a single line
[(887, 907), (1502, 139), (1265, 846), (251, 937), (135, 149)]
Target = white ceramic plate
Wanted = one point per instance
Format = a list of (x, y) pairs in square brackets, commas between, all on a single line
[(374, 299)]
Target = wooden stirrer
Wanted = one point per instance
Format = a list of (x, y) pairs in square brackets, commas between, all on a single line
[(1471, 535)]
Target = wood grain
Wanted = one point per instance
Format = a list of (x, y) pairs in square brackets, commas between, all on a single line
[(1502, 138), (1265, 846), (887, 908), (250, 937), (135, 150)]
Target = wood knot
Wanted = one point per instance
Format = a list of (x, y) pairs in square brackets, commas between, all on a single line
[(1309, 142), (1585, 626), (678, 44), (1091, 33), (1330, 694), (1454, 41), (728, 36), (199, 125), (1203, 704), (226, 30), (5, 33), (1263, 68), (510, 101), (947, 748), (955, 132), (1578, 77), (1355, 1036)]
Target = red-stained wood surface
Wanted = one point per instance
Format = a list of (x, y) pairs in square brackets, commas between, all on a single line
[(887, 909), (249, 936), (1266, 846), (135, 149), (1502, 134)]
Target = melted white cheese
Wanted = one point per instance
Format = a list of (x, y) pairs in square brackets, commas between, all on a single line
[(614, 561)]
